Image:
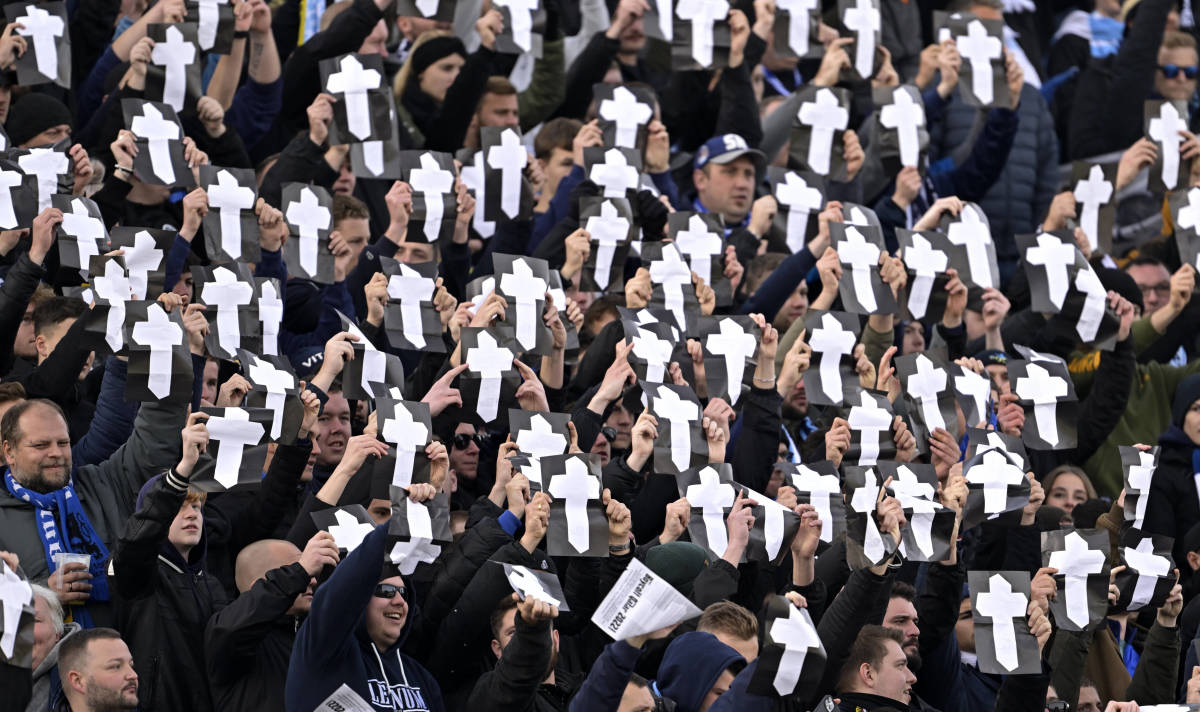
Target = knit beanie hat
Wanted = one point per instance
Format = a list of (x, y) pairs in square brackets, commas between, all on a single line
[(1187, 393), (433, 50), (33, 114)]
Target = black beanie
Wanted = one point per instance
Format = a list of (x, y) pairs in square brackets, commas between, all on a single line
[(433, 50), (33, 114), (1187, 393), (1121, 283)]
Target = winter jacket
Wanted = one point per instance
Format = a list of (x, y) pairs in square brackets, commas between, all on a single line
[(107, 490), (442, 127), (1173, 507), (164, 602), (516, 683), (1107, 112), (602, 690), (1021, 195), (248, 644), (47, 686), (19, 284), (333, 648)]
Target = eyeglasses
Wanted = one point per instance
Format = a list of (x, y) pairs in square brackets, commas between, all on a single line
[(609, 433), (388, 590), (1162, 288), (1170, 71), (463, 440)]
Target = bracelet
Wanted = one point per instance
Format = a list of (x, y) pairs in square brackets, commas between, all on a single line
[(241, 34), (768, 381), (619, 549), (123, 168)]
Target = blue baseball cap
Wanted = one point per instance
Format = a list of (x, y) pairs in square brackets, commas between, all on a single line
[(727, 148)]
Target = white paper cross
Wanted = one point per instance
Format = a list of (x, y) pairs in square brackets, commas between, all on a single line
[(207, 23), (975, 387), (1140, 476), (672, 273), (521, 12), (142, 258), (862, 256), (309, 217), (411, 288), (996, 473), (906, 117), (627, 113), (699, 246), (871, 422), (1001, 604), (864, 500), (863, 19), (614, 174), (655, 351), (230, 198), (1149, 568), (925, 385), (537, 441), (47, 164), (15, 594), (916, 495), (576, 487), (1094, 302), (88, 231), (799, 23), (174, 54), (234, 432), (926, 263), (1075, 562), (1054, 256), (277, 382), (490, 361), (798, 636), (158, 133), (531, 586), (703, 14), (608, 231), (270, 314), (1189, 216), (1093, 193), (821, 489), (228, 294), (971, 231), (526, 289), (45, 28), (680, 414), (824, 116), (432, 182), (1044, 390), (348, 533), (1165, 129), (408, 435), (161, 335), (735, 345), (8, 215), (801, 201), (979, 48), (712, 496), (509, 157), (113, 286), (354, 82), (419, 547)]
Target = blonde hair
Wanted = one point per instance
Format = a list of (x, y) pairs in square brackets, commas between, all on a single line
[(405, 73)]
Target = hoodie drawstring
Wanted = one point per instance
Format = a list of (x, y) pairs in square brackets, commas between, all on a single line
[(403, 672), (383, 672)]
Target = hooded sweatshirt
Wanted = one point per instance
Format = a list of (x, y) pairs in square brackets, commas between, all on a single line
[(333, 647), (691, 666), (46, 683)]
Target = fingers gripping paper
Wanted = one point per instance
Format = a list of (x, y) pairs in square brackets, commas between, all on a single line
[(641, 602)]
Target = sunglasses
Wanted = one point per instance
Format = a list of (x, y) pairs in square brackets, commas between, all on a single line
[(388, 590), (609, 433), (1170, 71), (462, 440)]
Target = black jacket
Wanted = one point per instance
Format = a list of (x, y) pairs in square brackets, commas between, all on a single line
[(164, 603), (248, 644), (1173, 507), (19, 284)]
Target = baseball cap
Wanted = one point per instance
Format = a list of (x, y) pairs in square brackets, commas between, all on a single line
[(726, 148)]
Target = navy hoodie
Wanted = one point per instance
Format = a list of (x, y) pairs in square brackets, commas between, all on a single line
[(691, 666), (332, 647)]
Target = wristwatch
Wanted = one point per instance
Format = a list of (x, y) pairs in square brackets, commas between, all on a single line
[(621, 549)]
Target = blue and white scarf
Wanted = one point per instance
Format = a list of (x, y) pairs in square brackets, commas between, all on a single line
[(64, 528)]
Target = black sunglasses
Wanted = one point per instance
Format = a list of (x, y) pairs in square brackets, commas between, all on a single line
[(1170, 71), (609, 433), (388, 590), (462, 440)]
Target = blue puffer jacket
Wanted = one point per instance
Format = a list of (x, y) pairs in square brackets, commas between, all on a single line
[(1020, 198)]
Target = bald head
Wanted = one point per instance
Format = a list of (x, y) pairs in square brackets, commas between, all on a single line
[(260, 557)]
